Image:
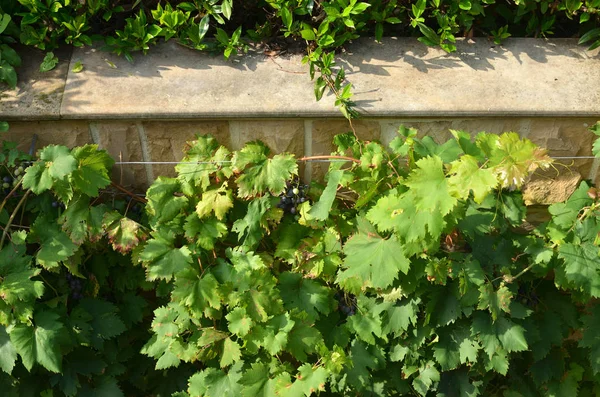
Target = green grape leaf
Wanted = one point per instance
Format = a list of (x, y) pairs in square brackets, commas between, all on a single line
[(93, 168), (483, 328), (74, 219), (218, 201), (260, 173), (582, 266), (239, 323), (512, 159), (564, 215), (304, 294), (277, 330), (320, 210), (495, 300), (107, 386), (373, 260), (458, 383), (16, 274), (364, 360), (428, 375), (569, 384), (289, 238), (212, 382), (123, 233), (258, 382), (161, 257), (165, 200), (401, 316), (56, 163), (303, 340), (367, 327), (105, 321), (455, 347), (40, 343), (195, 291), (591, 337), (446, 352), (249, 227), (245, 260), (58, 160), (205, 232), (211, 158), (55, 245), (261, 297), (467, 176), (8, 353), (132, 309), (400, 214), (309, 380), (511, 336), (430, 187), (231, 353), (447, 152)]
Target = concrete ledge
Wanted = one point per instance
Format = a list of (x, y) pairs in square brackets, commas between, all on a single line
[(399, 78), (38, 96)]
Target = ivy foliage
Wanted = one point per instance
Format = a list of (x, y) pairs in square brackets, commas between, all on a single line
[(410, 271)]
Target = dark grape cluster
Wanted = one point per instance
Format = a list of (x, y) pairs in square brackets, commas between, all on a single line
[(6, 184), (346, 303), (14, 176), (294, 194), (76, 287), (527, 296), (58, 204)]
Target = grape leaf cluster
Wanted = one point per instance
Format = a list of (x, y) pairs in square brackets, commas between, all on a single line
[(408, 272)]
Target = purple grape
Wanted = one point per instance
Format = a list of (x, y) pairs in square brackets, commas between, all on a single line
[(7, 179), (55, 204)]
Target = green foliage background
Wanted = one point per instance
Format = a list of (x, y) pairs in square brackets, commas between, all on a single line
[(321, 27), (409, 272)]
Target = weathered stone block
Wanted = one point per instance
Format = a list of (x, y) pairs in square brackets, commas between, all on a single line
[(563, 137), (69, 133), (122, 141), (548, 188), (566, 138), (166, 140), (282, 136)]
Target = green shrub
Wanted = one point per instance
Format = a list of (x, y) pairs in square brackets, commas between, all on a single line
[(9, 59), (409, 272)]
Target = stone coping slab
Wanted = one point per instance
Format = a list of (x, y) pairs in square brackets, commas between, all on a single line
[(37, 95), (397, 78)]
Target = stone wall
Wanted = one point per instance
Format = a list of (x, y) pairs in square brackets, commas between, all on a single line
[(165, 141), (145, 111)]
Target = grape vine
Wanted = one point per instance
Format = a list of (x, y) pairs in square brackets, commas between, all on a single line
[(406, 271)]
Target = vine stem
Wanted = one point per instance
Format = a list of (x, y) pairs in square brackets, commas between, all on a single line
[(12, 217), (329, 157), (49, 285), (10, 194), (132, 195), (522, 272)]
